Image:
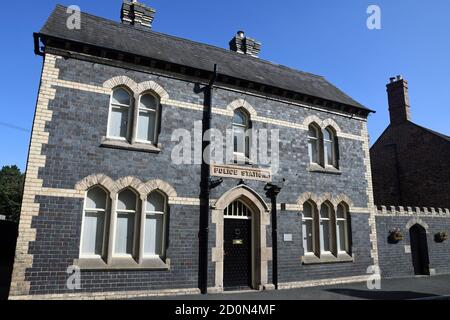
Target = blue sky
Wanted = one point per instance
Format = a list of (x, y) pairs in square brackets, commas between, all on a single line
[(325, 37)]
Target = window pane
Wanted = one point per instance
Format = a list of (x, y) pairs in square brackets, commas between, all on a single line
[(312, 151), (307, 210), (312, 132), (118, 122), (341, 235), (153, 235), (329, 153), (146, 126), (327, 135), (240, 118), (340, 212), (155, 202), (239, 139), (308, 236), (96, 199), (124, 233), (324, 236), (121, 96), (126, 200), (148, 101), (324, 212), (93, 226)]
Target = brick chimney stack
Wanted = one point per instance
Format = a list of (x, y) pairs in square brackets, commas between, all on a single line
[(242, 44), (398, 97), (137, 14)]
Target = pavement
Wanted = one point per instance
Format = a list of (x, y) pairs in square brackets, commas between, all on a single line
[(417, 288)]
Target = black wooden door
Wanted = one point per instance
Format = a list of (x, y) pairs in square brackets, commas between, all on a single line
[(419, 250), (237, 246)]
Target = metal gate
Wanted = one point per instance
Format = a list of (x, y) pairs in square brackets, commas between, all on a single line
[(237, 274)]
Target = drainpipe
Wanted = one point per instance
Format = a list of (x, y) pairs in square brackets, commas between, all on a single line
[(205, 186), (272, 191)]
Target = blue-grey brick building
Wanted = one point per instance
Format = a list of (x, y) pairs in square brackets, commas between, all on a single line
[(118, 202)]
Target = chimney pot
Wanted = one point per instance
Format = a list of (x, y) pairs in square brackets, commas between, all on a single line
[(242, 44), (398, 97), (137, 14)]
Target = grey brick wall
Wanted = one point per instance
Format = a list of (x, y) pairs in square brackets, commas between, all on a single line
[(395, 262), (73, 152)]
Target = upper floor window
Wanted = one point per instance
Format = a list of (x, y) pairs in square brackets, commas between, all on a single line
[(329, 147), (94, 218), (241, 138), (147, 118), (314, 144), (322, 146), (120, 114), (126, 123)]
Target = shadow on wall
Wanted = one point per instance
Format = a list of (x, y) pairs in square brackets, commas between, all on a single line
[(8, 238), (381, 295)]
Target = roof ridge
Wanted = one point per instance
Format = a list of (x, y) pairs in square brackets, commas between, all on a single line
[(226, 51)]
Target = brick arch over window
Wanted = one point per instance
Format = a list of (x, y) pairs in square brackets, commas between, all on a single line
[(417, 220), (161, 185), (319, 199), (154, 87), (241, 103), (323, 124), (121, 81), (261, 219), (114, 187), (93, 180)]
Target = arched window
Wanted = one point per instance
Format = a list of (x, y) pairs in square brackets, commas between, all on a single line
[(93, 229), (342, 228), (237, 209), (154, 229), (314, 144), (120, 114), (308, 228), (241, 138), (329, 145), (325, 228), (147, 119), (127, 203)]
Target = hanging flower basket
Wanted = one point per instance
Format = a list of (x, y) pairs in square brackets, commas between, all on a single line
[(441, 236), (396, 235)]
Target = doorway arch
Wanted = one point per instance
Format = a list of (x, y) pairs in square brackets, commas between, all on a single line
[(260, 219), (419, 250)]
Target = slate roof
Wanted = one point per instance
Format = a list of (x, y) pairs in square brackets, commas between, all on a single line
[(443, 136), (114, 35)]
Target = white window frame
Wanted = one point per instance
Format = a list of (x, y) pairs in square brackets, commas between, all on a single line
[(333, 147), (245, 213), (313, 227), (105, 224), (327, 220), (316, 141), (157, 115), (144, 220), (247, 134), (346, 231), (135, 227), (120, 106)]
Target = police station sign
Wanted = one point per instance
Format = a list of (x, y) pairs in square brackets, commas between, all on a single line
[(236, 172)]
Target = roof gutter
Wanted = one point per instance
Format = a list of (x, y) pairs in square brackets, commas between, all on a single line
[(37, 48)]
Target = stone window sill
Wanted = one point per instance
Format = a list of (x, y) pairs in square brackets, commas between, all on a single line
[(125, 145), (154, 263), (313, 167), (327, 258), (240, 159)]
